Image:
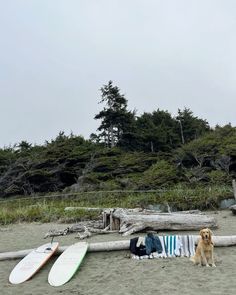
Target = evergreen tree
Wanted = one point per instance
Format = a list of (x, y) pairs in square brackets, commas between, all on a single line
[(190, 127), (156, 132), (115, 118)]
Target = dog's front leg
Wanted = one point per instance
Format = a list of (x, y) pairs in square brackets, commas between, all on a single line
[(204, 258), (212, 258)]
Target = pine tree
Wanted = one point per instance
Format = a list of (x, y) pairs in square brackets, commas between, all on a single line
[(114, 117), (190, 127)]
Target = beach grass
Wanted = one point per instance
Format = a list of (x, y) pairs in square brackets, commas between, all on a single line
[(51, 208)]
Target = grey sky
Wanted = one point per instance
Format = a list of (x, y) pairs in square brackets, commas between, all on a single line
[(167, 54)]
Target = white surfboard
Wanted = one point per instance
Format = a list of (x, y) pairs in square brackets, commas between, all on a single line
[(32, 262), (67, 264)]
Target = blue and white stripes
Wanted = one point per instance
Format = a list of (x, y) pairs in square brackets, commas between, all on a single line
[(187, 246), (175, 246)]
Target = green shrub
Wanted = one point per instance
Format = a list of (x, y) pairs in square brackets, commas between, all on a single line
[(218, 177), (161, 174)]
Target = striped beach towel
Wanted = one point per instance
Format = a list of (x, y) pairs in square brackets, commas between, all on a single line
[(187, 248), (173, 245)]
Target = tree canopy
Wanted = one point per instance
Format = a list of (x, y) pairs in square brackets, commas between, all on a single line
[(115, 118), (130, 151)]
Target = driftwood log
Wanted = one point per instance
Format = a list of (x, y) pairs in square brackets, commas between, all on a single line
[(83, 208), (219, 241), (82, 231), (86, 234), (129, 222)]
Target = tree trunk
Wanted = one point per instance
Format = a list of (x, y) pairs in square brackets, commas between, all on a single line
[(219, 241)]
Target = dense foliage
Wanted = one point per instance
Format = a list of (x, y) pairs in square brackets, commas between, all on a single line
[(150, 151)]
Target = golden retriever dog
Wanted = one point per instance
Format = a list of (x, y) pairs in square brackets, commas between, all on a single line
[(204, 252)]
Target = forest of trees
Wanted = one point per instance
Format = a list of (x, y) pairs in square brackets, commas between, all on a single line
[(128, 151)]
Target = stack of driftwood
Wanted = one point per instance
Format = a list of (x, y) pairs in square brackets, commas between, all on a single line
[(129, 221)]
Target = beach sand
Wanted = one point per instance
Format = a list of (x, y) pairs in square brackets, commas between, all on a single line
[(113, 273)]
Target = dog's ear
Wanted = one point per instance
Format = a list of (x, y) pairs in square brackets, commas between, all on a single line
[(211, 234), (211, 240), (201, 232)]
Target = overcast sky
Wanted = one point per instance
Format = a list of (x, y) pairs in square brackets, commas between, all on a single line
[(55, 55)]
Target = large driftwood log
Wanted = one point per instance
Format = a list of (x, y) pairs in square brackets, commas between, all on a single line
[(218, 241), (137, 222)]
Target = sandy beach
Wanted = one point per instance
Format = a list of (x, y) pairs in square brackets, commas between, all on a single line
[(114, 273)]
